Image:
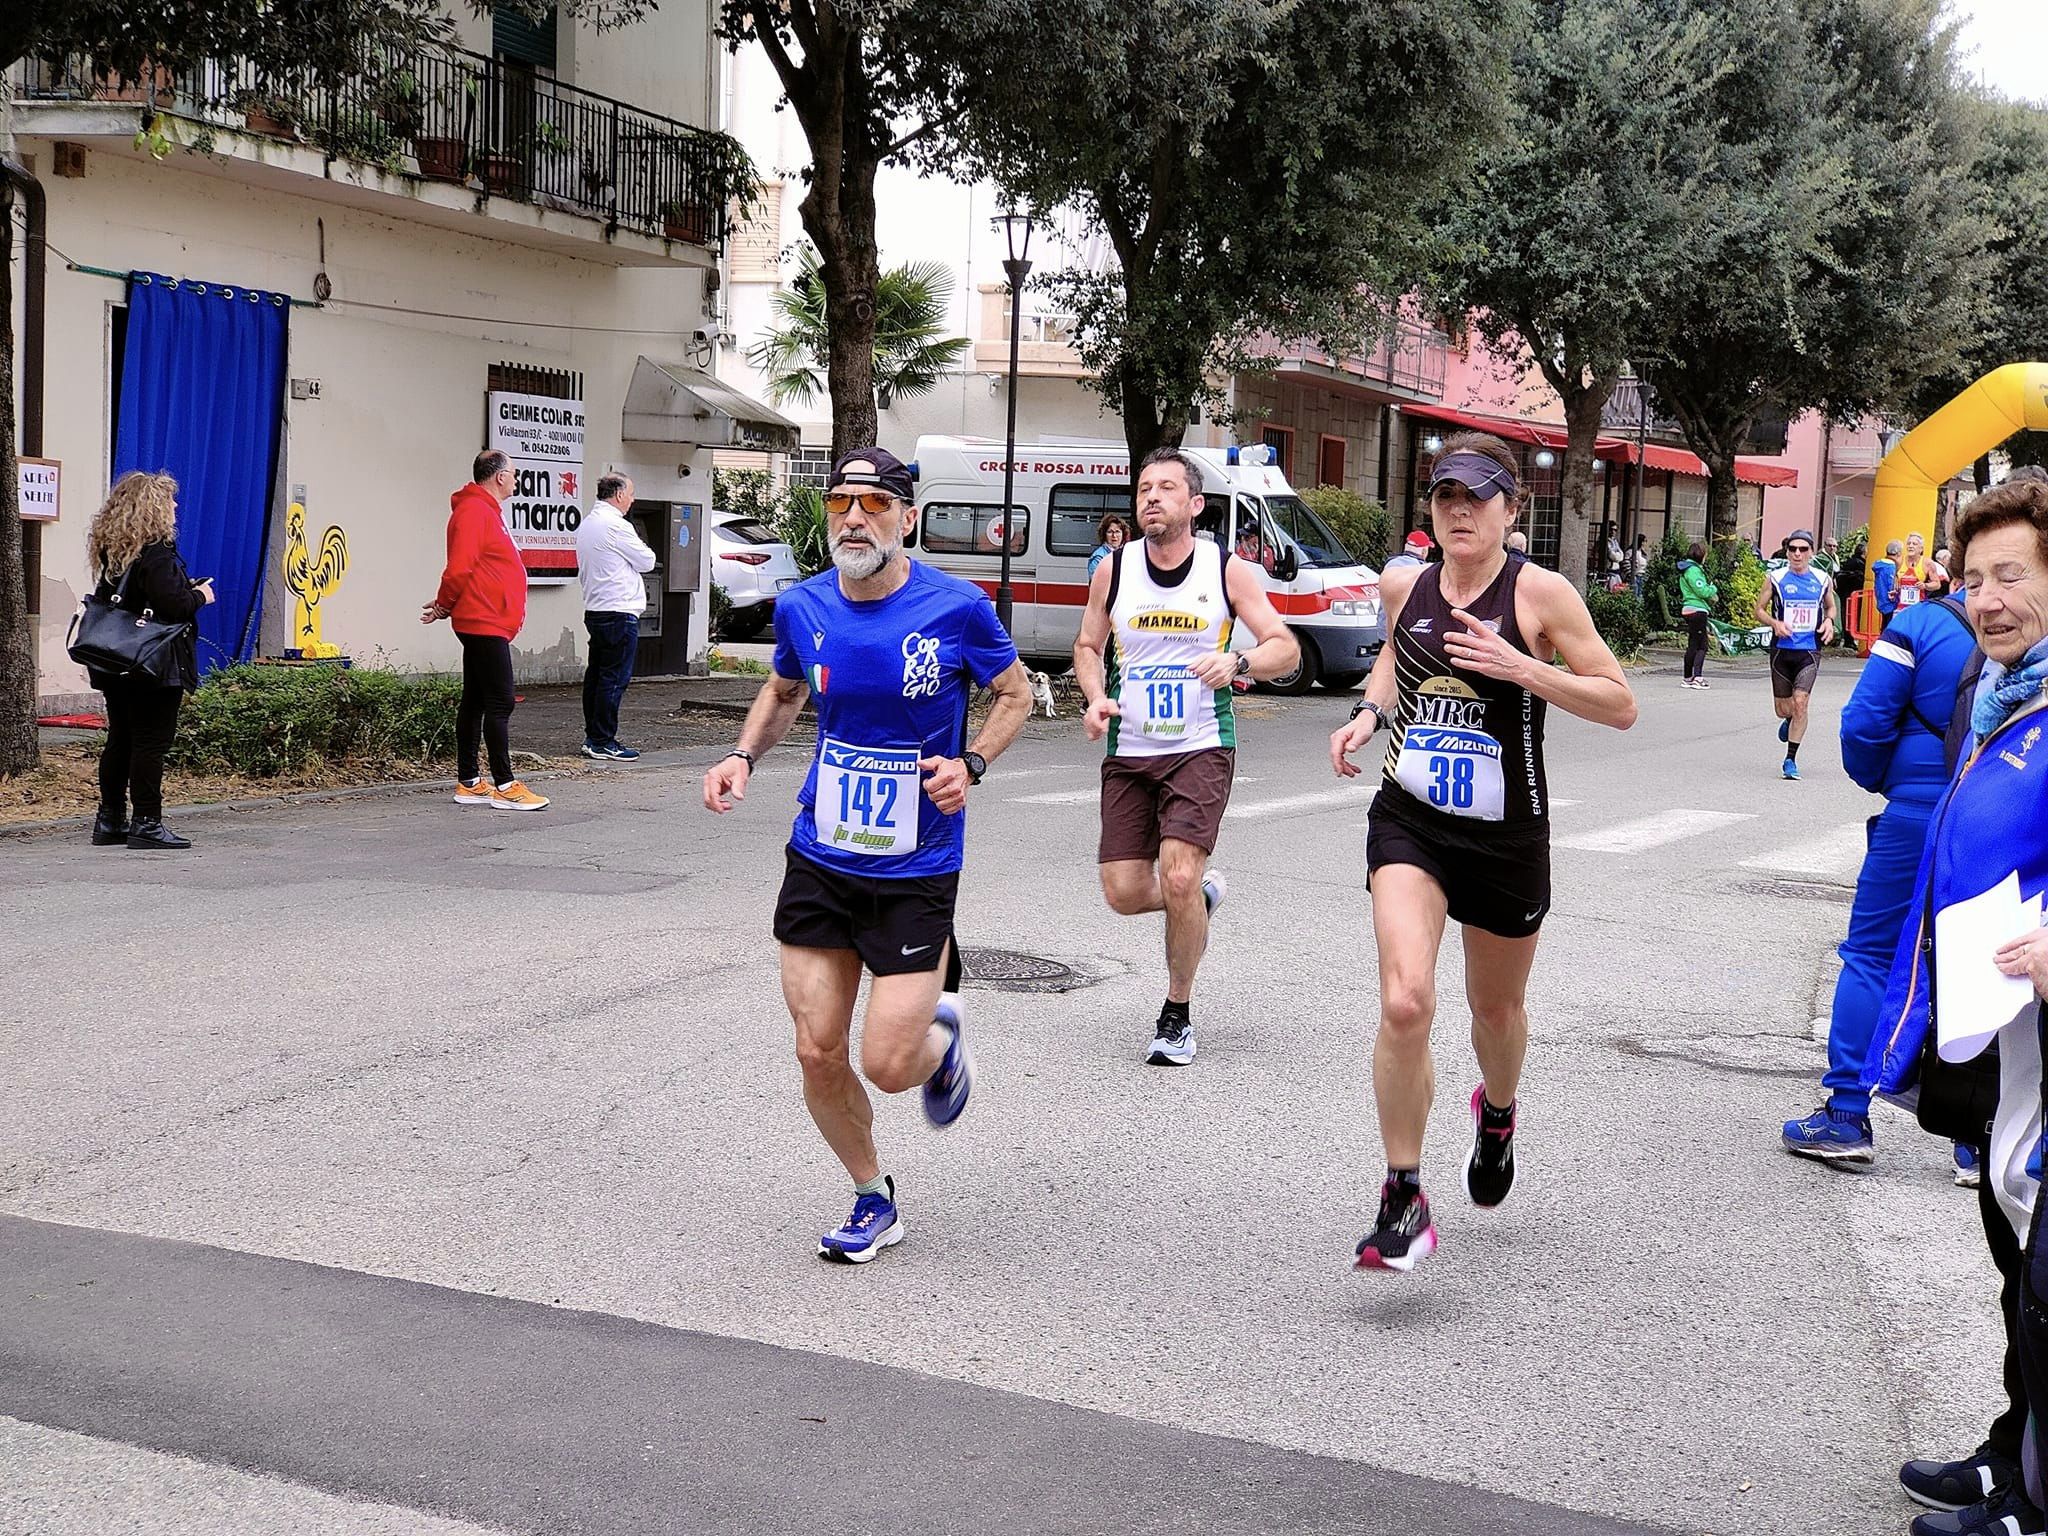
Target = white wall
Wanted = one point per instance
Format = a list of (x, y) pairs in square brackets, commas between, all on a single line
[(402, 407)]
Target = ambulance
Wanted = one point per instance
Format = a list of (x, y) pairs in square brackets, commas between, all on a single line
[(1061, 492)]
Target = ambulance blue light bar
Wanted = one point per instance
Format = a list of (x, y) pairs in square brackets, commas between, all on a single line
[(1257, 453)]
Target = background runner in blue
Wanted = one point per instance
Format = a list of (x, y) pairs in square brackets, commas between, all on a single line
[(894, 673)]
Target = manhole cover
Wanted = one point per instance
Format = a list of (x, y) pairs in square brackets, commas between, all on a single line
[(1801, 890), (1005, 970)]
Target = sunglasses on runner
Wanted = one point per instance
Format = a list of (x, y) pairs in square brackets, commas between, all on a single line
[(839, 503), (1798, 549)]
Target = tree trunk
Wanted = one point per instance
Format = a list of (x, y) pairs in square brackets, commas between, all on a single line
[(1582, 408), (1145, 428), (1722, 505), (1980, 471), (17, 645)]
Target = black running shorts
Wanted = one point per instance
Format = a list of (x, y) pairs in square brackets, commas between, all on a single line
[(1793, 672), (1499, 885), (895, 926)]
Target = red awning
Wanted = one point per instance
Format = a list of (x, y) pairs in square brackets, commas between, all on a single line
[(1616, 450)]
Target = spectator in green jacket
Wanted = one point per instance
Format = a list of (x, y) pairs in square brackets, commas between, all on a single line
[(1696, 602)]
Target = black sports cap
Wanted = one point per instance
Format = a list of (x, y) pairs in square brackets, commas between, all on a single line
[(877, 467), (1476, 472)]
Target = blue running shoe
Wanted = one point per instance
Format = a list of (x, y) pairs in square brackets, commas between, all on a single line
[(593, 752), (2011, 1513), (1791, 768), (1952, 1485), (1785, 729), (619, 754), (873, 1226), (1831, 1136), (1968, 1174), (946, 1090), (1214, 889)]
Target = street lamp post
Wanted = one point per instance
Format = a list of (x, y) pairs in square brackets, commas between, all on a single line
[(1016, 228)]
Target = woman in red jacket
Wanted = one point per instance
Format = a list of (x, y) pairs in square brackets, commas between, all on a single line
[(483, 592)]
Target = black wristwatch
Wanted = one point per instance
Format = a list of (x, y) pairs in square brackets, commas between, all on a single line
[(1244, 664), (1378, 716), (977, 765)]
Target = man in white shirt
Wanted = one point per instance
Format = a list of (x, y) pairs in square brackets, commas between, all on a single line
[(610, 560)]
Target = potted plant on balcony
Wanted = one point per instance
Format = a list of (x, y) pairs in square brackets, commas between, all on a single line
[(268, 112), (396, 97), (722, 177), (156, 88)]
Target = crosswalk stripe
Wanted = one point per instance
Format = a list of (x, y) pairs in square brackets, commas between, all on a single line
[(1839, 852), (1648, 832), (1058, 797), (1352, 796)]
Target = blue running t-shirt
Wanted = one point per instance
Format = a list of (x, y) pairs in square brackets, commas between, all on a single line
[(890, 682), (1799, 601)]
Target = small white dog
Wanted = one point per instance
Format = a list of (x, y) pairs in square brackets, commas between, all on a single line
[(1042, 695)]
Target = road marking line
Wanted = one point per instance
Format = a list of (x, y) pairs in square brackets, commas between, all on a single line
[(1558, 805), (1280, 807), (1648, 832), (1060, 797), (1839, 853)]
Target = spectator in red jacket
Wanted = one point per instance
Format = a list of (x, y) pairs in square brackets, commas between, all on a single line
[(483, 591)]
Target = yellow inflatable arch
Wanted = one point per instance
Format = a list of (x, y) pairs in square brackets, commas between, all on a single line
[(2005, 401)]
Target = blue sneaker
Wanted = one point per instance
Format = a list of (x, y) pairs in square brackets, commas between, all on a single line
[(594, 752), (2010, 1513), (1791, 769), (1785, 729), (1968, 1174), (1831, 1136), (873, 1226), (946, 1090), (1953, 1485), (619, 754)]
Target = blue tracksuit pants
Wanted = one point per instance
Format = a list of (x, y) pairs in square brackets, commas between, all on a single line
[(1884, 892)]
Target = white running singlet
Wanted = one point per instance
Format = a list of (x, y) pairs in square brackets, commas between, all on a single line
[(1161, 622)]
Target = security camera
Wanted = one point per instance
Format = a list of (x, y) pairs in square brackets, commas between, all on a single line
[(703, 338)]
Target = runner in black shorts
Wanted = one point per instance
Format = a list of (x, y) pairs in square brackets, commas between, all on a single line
[(1460, 827), (888, 649), (1798, 603)]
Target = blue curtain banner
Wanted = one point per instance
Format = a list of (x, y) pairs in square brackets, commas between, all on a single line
[(202, 400)]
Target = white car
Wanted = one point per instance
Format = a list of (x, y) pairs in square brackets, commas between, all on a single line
[(752, 567)]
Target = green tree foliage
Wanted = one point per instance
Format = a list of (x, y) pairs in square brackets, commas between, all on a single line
[(1257, 167), (1661, 598), (1565, 239), (870, 82), (1365, 527), (912, 348), (1834, 268), (2008, 191), (1737, 570)]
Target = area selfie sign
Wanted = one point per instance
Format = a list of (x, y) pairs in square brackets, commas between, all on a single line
[(543, 437)]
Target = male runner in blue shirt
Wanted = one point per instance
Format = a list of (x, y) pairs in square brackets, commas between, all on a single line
[(1798, 603), (889, 651)]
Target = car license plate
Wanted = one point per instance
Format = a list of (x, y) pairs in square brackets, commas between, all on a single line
[(784, 583)]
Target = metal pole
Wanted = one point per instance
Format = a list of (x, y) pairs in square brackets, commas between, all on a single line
[(1017, 271), (1642, 453)]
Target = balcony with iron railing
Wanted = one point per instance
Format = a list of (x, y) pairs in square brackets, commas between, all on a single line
[(454, 131), (1409, 358)]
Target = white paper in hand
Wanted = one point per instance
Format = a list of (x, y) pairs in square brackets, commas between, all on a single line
[(1973, 998)]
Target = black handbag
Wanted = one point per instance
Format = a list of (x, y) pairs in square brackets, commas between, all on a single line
[(107, 635)]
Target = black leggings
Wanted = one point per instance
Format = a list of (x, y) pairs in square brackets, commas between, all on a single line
[(142, 717), (486, 708), (2006, 1430), (1695, 645)]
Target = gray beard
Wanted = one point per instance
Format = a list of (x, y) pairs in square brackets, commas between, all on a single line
[(857, 562)]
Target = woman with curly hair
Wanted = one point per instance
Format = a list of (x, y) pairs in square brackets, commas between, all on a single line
[(134, 538)]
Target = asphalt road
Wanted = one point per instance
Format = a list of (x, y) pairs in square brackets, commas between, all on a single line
[(402, 1168)]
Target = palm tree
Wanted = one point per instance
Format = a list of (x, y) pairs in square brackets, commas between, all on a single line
[(911, 346)]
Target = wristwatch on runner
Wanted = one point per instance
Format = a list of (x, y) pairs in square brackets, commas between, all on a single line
[(1244, 663), (977, 765), (1378, 717)]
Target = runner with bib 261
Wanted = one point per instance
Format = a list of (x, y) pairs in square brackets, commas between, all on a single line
[(1460, 829)]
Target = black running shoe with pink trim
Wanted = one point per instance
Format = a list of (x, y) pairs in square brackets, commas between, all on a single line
[(1402, 1235), (1490, 1173)]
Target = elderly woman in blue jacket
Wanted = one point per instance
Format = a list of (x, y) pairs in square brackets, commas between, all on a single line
[(1990, 827)]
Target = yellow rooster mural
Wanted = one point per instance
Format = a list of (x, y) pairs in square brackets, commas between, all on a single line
[(309, 581)]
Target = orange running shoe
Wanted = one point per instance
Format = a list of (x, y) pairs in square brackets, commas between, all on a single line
[(478, 793), (517, 797)]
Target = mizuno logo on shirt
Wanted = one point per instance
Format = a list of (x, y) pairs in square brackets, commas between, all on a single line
[(1421, 626)]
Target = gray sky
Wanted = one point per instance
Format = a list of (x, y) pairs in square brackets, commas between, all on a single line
[(2005, 43)]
